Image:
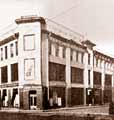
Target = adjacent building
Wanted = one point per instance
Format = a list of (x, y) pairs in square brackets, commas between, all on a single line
[(46, 65)]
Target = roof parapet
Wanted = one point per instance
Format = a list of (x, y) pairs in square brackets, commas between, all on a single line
[(88, 44), (30, 19)]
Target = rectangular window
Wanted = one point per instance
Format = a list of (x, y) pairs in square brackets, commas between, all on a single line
[(60, 51), (76, 75), (16, 47), (1, 54), (14, 72), (77, 56), (64, 52), (74, 55), (88, 59), (29, 42), (50, 48), (88, 77), (11, 50), (56, 72), (6, 54), (4, 74), (57, 50), (96, 78), (108, 79), (82, 58), (71, 55), (97, 62)]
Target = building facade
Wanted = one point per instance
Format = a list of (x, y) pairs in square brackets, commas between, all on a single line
[(45, 65)]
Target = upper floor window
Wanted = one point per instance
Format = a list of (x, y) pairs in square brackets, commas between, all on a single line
[(50, 48), (14, 72), (74, 55), (82, 58), (88, 77), (96, 78), (6, 54), (96, 62), (29, 42), (16, 47), (76, 75), (4, 74), (57, 50), (61, 51), (71, 55), (88, 59), (56, 72), (11, 50), (77, 54), (108, 79), (1, 54), (64, 52)]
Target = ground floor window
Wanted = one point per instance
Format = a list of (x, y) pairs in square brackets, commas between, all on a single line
[(107, 95), (56, 97), (77, 96), (4, 98)]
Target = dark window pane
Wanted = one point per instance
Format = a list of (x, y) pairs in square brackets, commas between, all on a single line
[(108, 79), (1, 54), (76, 75), (16, 45), (96, 78), (88, 59), (56, 72), (4, 76), (11, 50), (14, 72), (35, 101), (6, 55), (88, 77)]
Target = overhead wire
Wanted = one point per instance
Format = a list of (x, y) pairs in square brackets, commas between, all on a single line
[(65, 11)]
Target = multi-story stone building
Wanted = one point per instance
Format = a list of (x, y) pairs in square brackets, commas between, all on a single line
[(43, 64)]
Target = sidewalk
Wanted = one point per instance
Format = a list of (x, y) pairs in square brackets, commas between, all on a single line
[(103, 109)]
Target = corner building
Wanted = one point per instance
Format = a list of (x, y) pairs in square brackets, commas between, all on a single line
[(46, 65)]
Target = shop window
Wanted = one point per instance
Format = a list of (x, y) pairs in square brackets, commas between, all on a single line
[(14, 72), (4, 98), (4, 74), (15, 92)]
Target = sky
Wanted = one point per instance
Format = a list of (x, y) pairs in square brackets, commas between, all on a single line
[(92, 18)]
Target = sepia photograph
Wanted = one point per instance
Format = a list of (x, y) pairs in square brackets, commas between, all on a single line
[(57, 60)]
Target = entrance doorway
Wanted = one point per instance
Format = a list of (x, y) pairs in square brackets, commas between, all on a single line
[(33, 100)]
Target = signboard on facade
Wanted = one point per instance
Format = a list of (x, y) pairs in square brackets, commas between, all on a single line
[(29, 69)]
